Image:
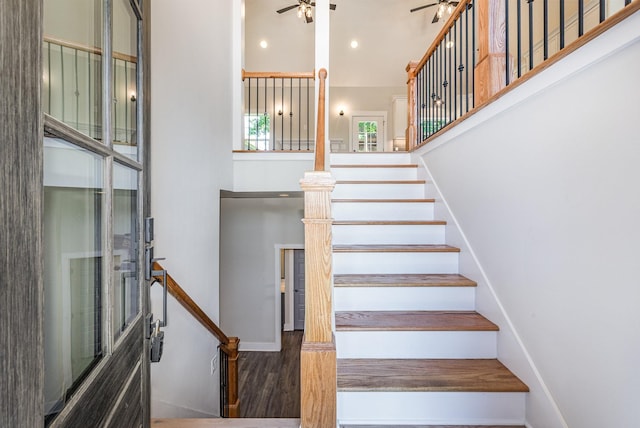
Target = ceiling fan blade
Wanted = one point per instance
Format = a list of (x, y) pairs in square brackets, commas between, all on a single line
[(415, 9), (286, 9), (309, 19), (435, 18), (331, 6), (454, 3)]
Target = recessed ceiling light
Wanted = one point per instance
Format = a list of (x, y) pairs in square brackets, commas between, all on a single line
[(263, 44), (354, 44)]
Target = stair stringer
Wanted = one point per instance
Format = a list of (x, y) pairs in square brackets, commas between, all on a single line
[(541, 409)]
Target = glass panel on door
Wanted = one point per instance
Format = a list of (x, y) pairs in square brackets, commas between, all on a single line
[(368, 134)]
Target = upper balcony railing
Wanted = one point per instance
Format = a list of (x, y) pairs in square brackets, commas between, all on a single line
[(489, 45), (278, 111), (72, 89)]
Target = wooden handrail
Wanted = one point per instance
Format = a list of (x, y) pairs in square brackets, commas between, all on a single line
[(320, 131), (228, 345), (89, 49), (192, 307), (277, 75)]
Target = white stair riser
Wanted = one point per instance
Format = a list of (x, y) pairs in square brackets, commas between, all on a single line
[(382, 211), (401, 263), (369, 158), (378, 191), (416, 344), (404, 298), (373, 173), (388, 234), (437, 408)]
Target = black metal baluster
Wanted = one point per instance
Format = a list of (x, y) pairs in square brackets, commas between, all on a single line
[(248, 113), (282, 114), (561, 24), (449, 71), (506, 42), (603, 10), (77, 92), (461, 65), (530, 35), (545, 6), (266, 147), (580, 17), (299, 112), (273, 114), (308, 113), (455, 69), (290, 113), (519, 28), (62, 80)]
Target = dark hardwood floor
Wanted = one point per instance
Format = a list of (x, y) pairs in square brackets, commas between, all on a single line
[(270, 381)]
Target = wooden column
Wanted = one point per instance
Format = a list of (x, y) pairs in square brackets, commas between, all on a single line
[(234, 400), (318, 354), (412, 128), (490, 71)]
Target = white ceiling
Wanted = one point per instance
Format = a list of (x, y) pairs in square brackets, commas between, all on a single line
[(389, 36)]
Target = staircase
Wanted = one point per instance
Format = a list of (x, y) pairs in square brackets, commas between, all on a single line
[(411, 349)]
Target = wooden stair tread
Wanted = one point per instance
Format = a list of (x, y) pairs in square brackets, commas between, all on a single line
[(413, 321), (400, 165), (443, 375), (381, 182), (389, 222), (392, 248), (392, 201), (402, 280)]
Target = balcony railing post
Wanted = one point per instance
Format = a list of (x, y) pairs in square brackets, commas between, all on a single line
[(233, 403), (490, 70), (318, 354), (412, 124)]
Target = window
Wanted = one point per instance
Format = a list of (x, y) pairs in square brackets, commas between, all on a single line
[(126, 288), (73, 228), (257, 131)]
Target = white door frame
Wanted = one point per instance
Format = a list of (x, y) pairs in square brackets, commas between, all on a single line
[(276, 275), (355, 114)]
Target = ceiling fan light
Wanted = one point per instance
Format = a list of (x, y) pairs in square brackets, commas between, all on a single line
[(300, 11), (441, 9), (450, 9), (308, 12)]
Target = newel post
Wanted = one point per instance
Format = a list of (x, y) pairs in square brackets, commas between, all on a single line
[(232, 359), (490, 72), (318, 354), (412, 128)]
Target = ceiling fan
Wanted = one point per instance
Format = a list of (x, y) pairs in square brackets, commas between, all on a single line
[(304, 9), (443, 6)]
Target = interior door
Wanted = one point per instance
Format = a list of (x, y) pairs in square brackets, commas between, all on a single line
[(368, 133), (298, 289)]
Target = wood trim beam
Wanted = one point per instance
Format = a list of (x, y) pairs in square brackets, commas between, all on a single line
[(89, 49), (277, 75)]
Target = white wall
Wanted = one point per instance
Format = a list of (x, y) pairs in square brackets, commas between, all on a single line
[(191, 162), (250, 229), (353, 99), (545, 194)]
